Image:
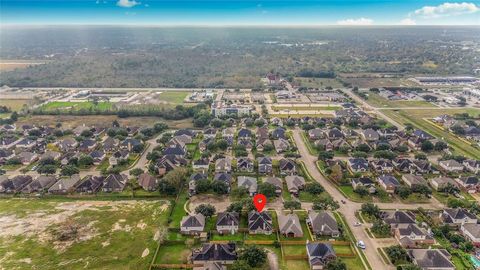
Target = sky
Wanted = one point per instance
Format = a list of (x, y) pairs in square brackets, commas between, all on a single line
[(239, 13)]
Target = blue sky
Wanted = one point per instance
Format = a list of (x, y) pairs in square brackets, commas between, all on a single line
[(232, 12)]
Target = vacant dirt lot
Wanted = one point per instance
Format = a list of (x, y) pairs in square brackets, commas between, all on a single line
[(51, 234)]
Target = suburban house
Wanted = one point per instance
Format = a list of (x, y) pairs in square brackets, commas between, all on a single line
[(15, 184), (67, 144), (388, 182), (277, 182), (322, 223), (290, 226), (370, 135), (26, 157), (90, 184), (64, 185), (470, 183), (148, 182), (295, 183), (315, 134), (472, 232), (192, 224), (250, 183), (287, 166), (40, 184), (431, 259), (97, 156), (457, 216), (472, 165), (412, 180), (451, 165), (244, 134), (412, 236), (244, 164), (357, 165), (395, 217), (87, 145), (439, 183), (223, 165), (365, 182), (215, 252), (281, 145), (260, 223), (114, 183), (320, 254), (201, 164), (382, 165), (227, 222), (264, 165), (118, 156), (210, 133)]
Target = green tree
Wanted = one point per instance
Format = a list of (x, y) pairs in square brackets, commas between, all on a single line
[(136, 171), (314, 188), (427, 146), (292, 205), (371, 210), (397, 254), (380, 228), (336, 265), (327, 203), (267, 189), (202, 186), (207, 210), (69, 170), (219, 187), (254, 256), (240, 265)]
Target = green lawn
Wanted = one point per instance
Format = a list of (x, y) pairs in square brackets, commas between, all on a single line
[(175, 97), (378, 101), (111, 235), (76, 106), (294, 250), (343, 249), (178, 212), (415, 117), (173, 254), (15, 104)]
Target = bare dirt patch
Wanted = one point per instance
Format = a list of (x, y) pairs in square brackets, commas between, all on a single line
[(220, 202)]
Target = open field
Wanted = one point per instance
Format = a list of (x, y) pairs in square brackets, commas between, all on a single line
[(14, 104), (318, 82), (370, 81), (8, 65), (67, 234), (378, 101), (417, 118), (67, 106), (314, 107), (175, 97), (70, 121)]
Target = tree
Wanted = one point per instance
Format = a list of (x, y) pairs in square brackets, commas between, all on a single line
[(337, 173), (397, 254), (427, 146), (380, 228), (327, 203), (385, 154), (166, 187), (240, 265), (85, 161), (47, 169), (219, 187), (136, 171), (292, 205), (69, 170), (267, 189), (325, 155), (422, 189), (362, 191), (207, 210), (336, 265), (371, 210), (160, 127), (450, 188), (439, 146), (363, 148), (403, 191), (222, 144), (202, 186), (420, 156), (314, 188), (235, 207), (254, 256), (176, 177)]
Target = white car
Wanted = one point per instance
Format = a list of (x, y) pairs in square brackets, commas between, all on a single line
[(361, 244), (357, 224)]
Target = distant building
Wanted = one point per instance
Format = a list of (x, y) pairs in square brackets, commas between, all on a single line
[(220, 109)]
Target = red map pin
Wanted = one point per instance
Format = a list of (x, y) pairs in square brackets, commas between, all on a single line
[(259, 201)]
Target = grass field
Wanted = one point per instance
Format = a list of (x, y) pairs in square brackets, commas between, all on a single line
[(318, 82), (66, 105), (8, 65), (417, 119), (175, 97), (306, 108), (380, 102), (15, 104), (108, 234)]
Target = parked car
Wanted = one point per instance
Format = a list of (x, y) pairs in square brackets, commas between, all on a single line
[(361, 244)]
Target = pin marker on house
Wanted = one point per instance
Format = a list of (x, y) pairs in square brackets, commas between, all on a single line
[(259, 201)]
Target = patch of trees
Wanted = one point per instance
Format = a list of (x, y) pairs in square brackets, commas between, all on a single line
[(310, 73)]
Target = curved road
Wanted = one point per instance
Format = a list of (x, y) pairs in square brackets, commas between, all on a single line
[(349, 209)]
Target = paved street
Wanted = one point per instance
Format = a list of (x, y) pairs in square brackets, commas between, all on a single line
[(349, 209)]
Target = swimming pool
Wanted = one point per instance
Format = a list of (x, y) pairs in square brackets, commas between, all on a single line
[(475, 261)]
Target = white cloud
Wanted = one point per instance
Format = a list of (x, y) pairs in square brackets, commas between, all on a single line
[(446, 9), (407, 21), (360, 21), (127, 3)]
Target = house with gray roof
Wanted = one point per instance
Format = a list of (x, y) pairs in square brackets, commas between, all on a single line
[(65, 185), (250, 183), (264, 165), (457, 216), (192, 224), (260, 223), (223, 165), (431, 259), (412, 236), (40, 184), (295, 183), (320, 254), (227, 222), (451, 165), (215, 253), (277, 183), (388, 182), (114, 183), (290, 226), (472, 232), (15, 184), (322, 223)]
